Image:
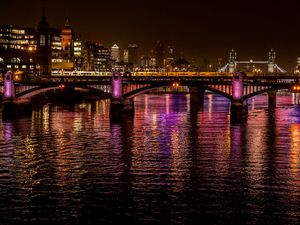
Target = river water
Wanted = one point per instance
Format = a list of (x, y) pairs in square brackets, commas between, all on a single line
[(170, 164)]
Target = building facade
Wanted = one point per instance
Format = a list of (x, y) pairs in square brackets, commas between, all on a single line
[(159, 54), (115, 53), (133, 54)]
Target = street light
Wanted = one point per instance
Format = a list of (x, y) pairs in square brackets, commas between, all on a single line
[(175, 71)]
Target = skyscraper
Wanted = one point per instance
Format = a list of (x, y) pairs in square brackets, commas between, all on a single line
[(159, 54), (125, 56), (66, 37), (133, 54), (115, 53), (44, 46)]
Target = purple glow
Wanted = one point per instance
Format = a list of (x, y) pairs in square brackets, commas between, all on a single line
[(116, 86), (9, 89), (237, 86)]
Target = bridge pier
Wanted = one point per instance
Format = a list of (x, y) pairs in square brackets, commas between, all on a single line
[(238, 111), (8, 104), (197, 97), (119, 107), (272, 101), (128, 106), (239, 107), (116, 104)]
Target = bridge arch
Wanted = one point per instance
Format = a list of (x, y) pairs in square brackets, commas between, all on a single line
[(43, 89), (146, 89), (264, 91)]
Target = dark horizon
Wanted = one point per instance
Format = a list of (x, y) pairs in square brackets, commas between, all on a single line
[(197, 29)]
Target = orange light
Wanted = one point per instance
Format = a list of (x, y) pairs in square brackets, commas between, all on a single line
[(296, 88), (175, 84)]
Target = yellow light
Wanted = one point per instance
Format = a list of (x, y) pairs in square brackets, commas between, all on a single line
[(175, 84)]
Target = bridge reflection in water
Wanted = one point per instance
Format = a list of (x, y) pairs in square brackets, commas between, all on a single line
[(169, 164)]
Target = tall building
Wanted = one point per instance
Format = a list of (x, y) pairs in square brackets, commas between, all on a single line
[(17, 38), (62, 47), (78, 54), (17, 49), (159, 54), (115, 53), (145, 61), (66, 37), (44, 46), (170, 58), (98, 57), (125, 56), (133, 54)]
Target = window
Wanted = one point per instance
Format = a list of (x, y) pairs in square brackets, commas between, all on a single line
[(42, 40), (15, 60)]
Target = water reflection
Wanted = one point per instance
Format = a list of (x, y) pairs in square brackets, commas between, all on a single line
[(172, 163)]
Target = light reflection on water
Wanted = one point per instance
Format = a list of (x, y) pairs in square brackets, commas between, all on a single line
[(171, 164)]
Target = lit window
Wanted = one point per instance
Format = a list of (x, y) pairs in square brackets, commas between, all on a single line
[(15, 60), (42, 40), (8, 66)]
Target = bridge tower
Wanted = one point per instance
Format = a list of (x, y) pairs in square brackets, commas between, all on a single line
[(231, 62), (8, 105), (116, 87), (238, 106), (118, 105), (271, 61), (9, 87)]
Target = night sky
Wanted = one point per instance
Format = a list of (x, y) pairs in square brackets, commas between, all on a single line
[(197, 29)]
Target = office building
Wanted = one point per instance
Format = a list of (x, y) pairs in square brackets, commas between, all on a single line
[(133, 54), (115, 53)]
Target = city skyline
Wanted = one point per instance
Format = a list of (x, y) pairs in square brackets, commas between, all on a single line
[(197, 29)]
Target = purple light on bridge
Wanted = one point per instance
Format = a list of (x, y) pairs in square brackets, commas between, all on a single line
[(9, 86), (237, 86), (116, 86)]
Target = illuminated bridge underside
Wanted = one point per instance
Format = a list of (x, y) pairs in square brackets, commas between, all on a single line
[(248, 91), (132, 91), (134, 86)]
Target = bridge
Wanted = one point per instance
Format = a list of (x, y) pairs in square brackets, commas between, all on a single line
[(238, 87), (231, 66)]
